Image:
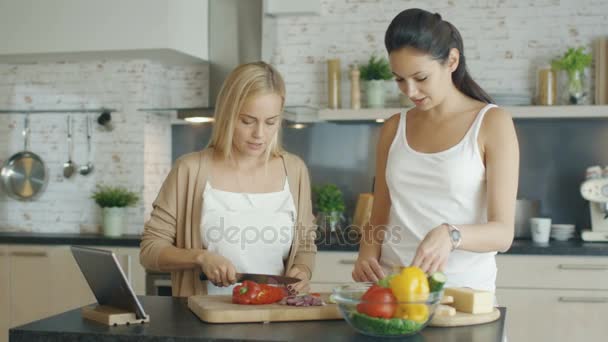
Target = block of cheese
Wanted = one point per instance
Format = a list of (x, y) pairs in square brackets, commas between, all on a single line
[(444, 310), (471, 301)]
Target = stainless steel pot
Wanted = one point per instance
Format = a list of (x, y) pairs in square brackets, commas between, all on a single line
[(524, 210), (24, 175)]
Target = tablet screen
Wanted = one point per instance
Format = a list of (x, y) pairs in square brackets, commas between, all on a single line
[(107, 279)]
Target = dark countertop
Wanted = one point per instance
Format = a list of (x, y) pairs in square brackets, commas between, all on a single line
[(566, 248), (171, 320), (68, 239), (334, 244), (519, 247)]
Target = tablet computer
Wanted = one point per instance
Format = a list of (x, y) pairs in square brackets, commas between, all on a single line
[(107, 279)]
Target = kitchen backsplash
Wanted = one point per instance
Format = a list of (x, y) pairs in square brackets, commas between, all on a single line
[(136, 154), (504, 41), (554, 156)]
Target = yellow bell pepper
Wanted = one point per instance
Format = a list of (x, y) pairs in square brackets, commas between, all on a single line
[(411, 285)]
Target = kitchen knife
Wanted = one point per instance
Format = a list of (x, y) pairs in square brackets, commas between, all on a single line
[(260, 278)]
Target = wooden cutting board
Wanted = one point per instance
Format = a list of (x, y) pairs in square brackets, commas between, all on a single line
[(219, 309), (461, 319)]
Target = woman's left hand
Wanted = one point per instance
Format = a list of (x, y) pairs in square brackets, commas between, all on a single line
[(302, 286), (433, 251)]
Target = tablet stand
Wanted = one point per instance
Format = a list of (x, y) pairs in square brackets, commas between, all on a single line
[(109, 315)]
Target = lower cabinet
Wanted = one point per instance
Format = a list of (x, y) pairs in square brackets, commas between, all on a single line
[(31, 283), (555, 315), (5, 296), (553, 298), (332, 269)]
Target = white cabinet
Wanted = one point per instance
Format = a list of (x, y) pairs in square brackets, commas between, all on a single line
[(553, 298), (4, 294), (65, 29), (332, 269)]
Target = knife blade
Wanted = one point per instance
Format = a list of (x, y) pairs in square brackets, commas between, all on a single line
[(260, 278)]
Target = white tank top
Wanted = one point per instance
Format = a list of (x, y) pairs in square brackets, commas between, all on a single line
[(252, 230), (428, 189)]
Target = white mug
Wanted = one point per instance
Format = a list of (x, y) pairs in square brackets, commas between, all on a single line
[(540, 227)]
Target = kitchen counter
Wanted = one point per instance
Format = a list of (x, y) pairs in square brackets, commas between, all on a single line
[(334, 244), (571, 248), (171, 320), (519, 247), (69, 239)]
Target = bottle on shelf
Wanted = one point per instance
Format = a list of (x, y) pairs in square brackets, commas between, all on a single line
[(355, 88), (334, 100)]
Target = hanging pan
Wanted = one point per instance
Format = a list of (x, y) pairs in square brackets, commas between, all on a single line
[(24, 175)]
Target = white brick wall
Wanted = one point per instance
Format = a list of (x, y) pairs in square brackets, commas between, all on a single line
[(136, 154), (505, 41)]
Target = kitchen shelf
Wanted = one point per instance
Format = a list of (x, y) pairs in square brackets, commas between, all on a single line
[(308, 114), (60, 111), (301, 114), (295, 114), (518, 112), (363, 114), (558, 112)]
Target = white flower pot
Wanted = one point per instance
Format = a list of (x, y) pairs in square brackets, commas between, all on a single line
[(375, 93), (114, 221)]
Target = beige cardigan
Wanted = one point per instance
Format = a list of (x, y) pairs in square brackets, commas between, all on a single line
[(177, 211)]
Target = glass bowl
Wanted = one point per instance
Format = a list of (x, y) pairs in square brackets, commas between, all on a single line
[(418, 313)]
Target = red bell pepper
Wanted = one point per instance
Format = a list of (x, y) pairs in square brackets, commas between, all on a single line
[(250, 292)]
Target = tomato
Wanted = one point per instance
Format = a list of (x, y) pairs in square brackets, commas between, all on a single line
[(378, 302)]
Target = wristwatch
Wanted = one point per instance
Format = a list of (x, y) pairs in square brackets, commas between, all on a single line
[(455, 236)]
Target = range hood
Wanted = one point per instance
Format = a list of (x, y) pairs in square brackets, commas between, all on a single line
[(235, 37)]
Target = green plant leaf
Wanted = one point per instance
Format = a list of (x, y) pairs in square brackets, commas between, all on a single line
[(377, 68), (328, 199), (117, 196), (573, 60)]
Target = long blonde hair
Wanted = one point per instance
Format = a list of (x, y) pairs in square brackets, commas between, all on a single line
[(244, 82)]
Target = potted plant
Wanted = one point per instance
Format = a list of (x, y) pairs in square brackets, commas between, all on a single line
[(574, 62), (374, 73), (113, 201), (329, 205)]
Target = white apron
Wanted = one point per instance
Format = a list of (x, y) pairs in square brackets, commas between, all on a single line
[(252, 230)]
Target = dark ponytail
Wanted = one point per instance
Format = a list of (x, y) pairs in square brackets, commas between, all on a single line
[(428, 33)]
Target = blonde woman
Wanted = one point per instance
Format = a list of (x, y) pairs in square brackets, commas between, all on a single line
[(242, 204)]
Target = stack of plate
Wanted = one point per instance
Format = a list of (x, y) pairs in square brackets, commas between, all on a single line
[(562, 232)]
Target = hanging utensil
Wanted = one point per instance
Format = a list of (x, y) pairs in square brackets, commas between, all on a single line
[(24, 175), (69, 167), (88, 167)]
